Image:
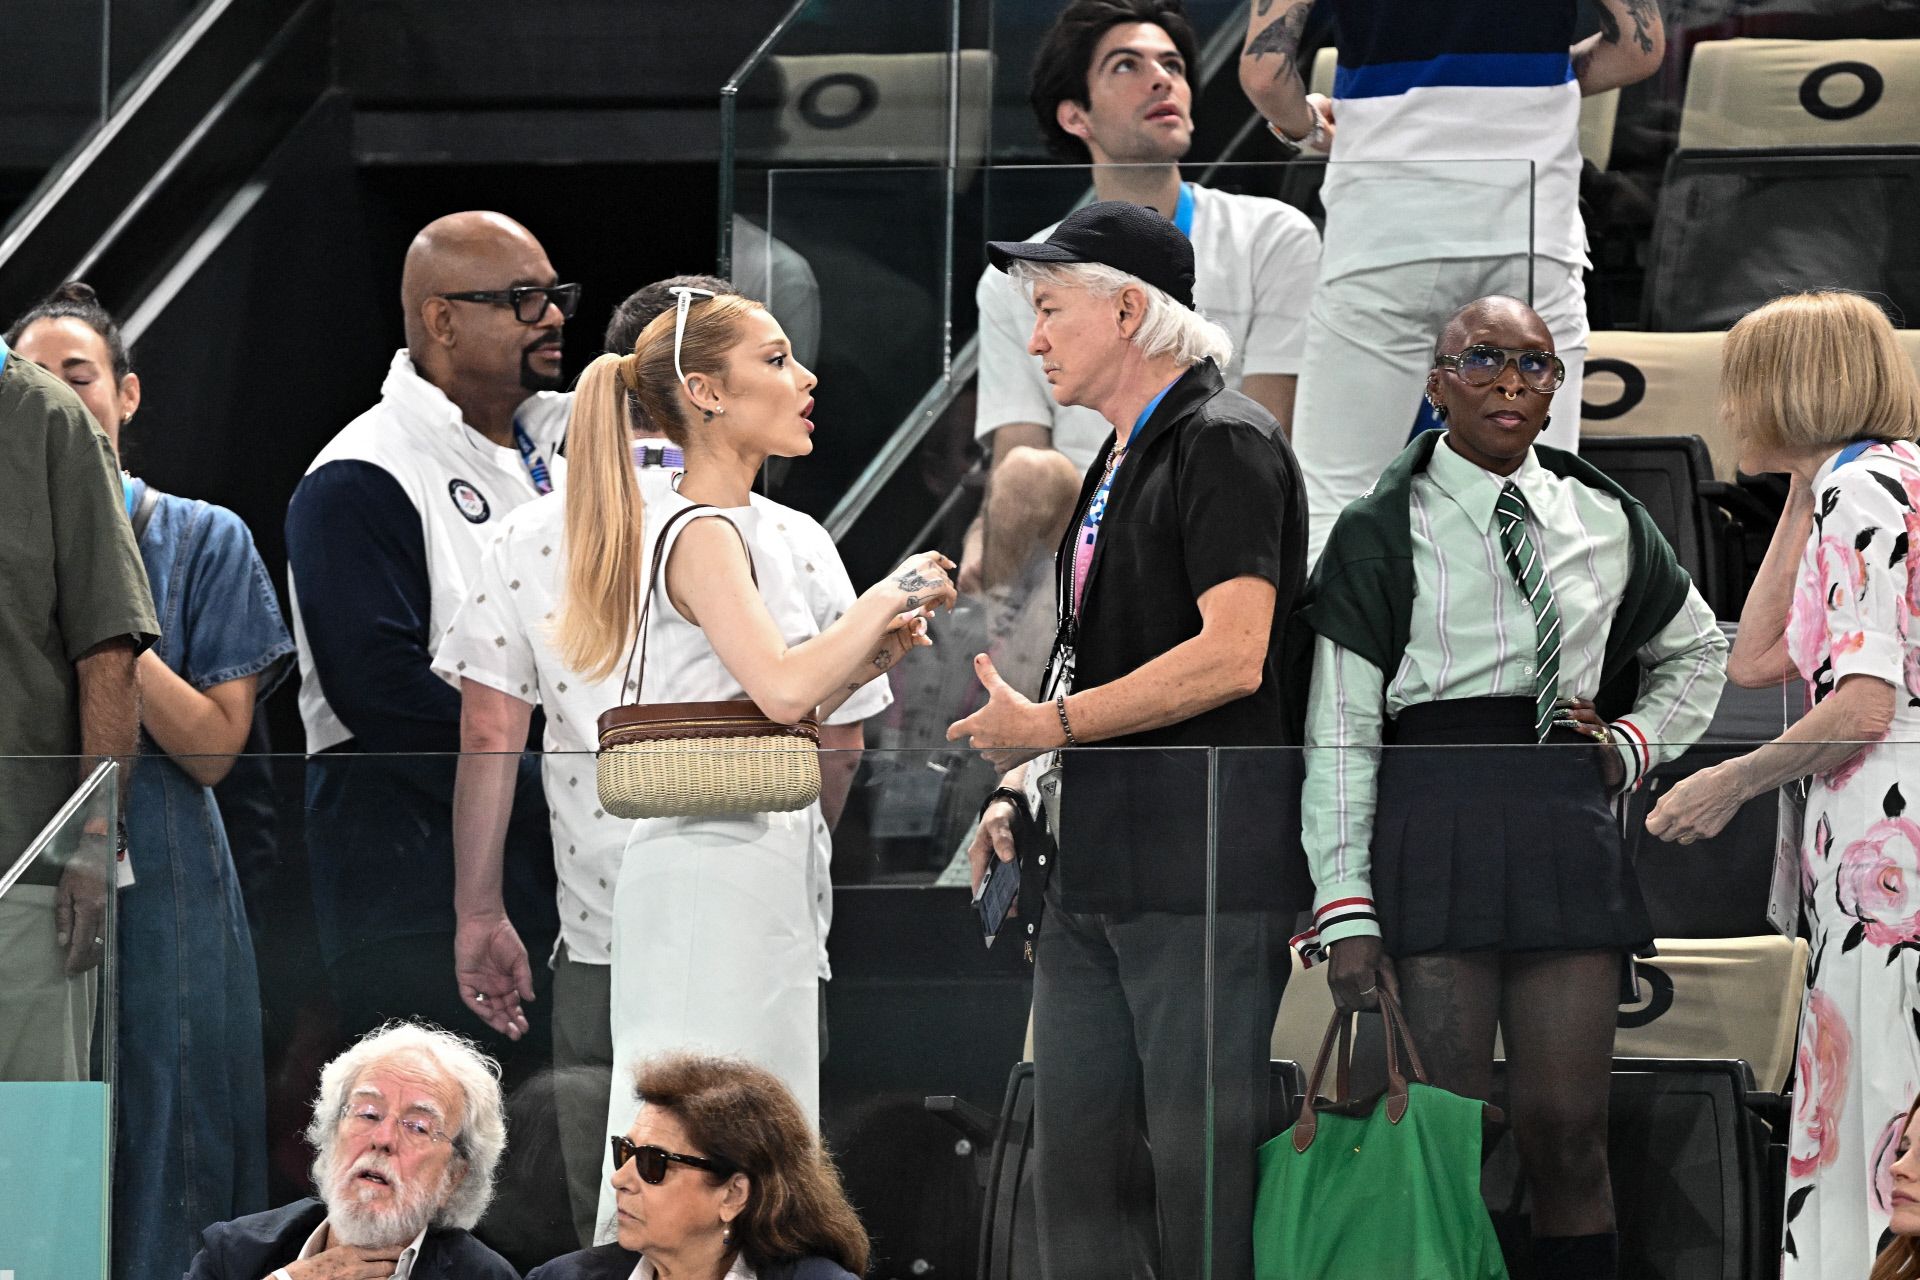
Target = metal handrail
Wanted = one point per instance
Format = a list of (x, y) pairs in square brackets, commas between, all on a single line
[(56, 824), (729, 92)]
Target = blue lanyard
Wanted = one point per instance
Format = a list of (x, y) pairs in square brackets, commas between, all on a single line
[(1183, 216), (128, 492), (4, 353), (649, 453), (530, 457), (1853, 452)]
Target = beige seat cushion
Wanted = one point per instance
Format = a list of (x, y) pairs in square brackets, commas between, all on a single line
[(1758, 93), (881, 108)]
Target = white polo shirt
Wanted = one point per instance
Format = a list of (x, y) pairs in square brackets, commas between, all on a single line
[(1255, 265), (415, 454), (500, 638)]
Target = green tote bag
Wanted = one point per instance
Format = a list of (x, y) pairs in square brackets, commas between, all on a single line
[(1383, 1188)]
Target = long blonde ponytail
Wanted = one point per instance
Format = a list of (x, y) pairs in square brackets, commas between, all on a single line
[(601, 597)]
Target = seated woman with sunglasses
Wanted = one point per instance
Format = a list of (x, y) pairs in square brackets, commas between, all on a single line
[(716, 941), (1491, 592), (720, 1178)]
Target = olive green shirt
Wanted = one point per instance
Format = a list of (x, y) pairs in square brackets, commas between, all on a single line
[(71, 578)]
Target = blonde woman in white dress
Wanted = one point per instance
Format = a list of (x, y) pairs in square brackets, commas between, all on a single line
[(715, 940)]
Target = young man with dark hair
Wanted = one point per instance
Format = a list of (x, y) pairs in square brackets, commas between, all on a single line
[(1110, 87)]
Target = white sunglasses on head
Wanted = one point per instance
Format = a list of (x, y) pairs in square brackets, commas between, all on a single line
[(683, 298)]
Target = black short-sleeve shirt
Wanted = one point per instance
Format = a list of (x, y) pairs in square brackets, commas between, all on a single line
[(1209, 491)]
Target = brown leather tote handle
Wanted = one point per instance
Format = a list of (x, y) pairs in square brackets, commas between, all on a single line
[(1307, 1122)]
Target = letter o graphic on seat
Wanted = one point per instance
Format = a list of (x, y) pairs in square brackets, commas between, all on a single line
[(866, 98), (1659, 987), (1872, 86), (1633, 389)]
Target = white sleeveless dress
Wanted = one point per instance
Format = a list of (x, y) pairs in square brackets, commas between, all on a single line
[(716, 942)]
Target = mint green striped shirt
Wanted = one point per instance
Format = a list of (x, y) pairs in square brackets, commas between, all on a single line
[(1472, 636)]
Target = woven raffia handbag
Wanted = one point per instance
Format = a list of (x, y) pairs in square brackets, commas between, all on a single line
[(699, 759)]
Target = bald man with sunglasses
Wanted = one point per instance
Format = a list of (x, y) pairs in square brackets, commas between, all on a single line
[(384, 538)]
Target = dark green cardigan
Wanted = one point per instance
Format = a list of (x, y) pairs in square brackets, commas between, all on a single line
[(1360, 595)]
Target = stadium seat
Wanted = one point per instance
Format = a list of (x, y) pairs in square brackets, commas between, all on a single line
[(1723, 998), (1735, 229), (1597, 113), (1688, 1159), (1802, 93), (1669, 475), (1657, 384), (881, 108)]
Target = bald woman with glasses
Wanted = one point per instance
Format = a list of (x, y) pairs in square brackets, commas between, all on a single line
[(1492, 593)]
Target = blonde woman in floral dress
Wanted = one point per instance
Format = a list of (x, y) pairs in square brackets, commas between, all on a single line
[(1817, 387)]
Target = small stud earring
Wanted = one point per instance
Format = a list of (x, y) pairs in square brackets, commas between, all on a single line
[(1439, 410), (1546, 422)]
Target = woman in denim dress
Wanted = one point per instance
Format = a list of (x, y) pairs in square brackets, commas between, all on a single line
[(190, 1104)]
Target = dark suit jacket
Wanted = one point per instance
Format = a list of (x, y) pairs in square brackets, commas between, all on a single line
[(251, 1247), (611, 1262)]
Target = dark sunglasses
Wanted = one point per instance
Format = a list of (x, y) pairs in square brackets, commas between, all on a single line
[(652, 1165), (529, 301), (1479, 365)]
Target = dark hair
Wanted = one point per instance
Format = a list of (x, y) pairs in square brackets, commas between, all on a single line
[(743, 1116), (648, 301), (631, 318), (77, 301), (1060, 69)]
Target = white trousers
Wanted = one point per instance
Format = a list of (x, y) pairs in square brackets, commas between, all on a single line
[(1370, 337), (716, 949)]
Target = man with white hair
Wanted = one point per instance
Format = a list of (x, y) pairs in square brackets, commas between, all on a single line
[(1174, 580), (406, 1134)]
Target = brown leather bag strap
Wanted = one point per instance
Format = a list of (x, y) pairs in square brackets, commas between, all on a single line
[(1339, 1029), (653, 582), (646, 601)]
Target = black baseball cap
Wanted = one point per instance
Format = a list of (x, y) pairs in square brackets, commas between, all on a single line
[(1114, 233)]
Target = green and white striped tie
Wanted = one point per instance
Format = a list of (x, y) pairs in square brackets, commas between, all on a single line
[(1530, 571)]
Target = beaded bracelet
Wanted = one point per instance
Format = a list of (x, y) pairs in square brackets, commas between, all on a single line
[(1060, 706)]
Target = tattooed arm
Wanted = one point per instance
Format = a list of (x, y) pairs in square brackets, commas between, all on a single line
[(1626, 50), (1270, 69)]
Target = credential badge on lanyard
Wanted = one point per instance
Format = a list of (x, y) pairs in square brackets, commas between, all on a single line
[(530, 457)]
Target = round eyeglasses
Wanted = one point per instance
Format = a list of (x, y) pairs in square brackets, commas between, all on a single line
[(1480, 365), (416, 1128)]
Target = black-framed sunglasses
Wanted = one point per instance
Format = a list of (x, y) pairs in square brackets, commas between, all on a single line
[(1479, 365), (529, 301), (652, 1166)]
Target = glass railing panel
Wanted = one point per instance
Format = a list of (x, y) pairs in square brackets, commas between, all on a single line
[(1734, 908), (138, 29), (54, 88), (871, 244), (721, 932), (58, 874)]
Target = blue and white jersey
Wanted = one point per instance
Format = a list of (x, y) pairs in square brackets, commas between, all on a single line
[(1422, 86), (384, 536)]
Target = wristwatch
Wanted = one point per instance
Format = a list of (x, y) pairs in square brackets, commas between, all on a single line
[(1315, 138)]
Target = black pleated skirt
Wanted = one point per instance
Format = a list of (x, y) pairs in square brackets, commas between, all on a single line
[(1486, 840)]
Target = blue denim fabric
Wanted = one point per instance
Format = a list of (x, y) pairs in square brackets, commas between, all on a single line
[(190, 1095)]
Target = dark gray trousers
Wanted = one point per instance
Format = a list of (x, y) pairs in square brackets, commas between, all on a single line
[(1119, 1037), (583, 1066)]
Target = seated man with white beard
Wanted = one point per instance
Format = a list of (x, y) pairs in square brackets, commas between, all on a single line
[(406, 1133)]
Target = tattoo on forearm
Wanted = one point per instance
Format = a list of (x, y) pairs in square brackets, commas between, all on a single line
[(883, 659), (1646, 19), (1281, 37)]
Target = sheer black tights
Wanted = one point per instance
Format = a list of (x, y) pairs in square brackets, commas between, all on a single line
[(1556, 1011)]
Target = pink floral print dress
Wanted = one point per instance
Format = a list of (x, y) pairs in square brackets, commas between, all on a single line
[(1854, 613)]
